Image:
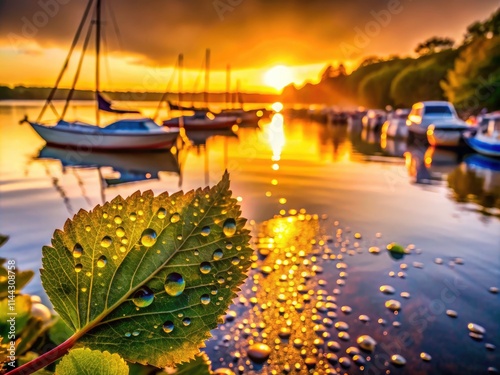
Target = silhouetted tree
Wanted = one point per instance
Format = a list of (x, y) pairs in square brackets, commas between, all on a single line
[(433, 45)]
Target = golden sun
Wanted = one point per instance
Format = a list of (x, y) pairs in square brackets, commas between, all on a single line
[(278, 77)]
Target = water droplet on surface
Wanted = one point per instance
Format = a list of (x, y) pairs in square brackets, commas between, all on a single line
[(493, 290), (451, 313), (366, 342), (120, 232), (398, 360), (205, 299), (393, 305), (345, 362), (344, 336), (168, 326), (342, 326), (217, 255), (148, 237), (476, 328), (205, 267), (77, 250), (143, 297), (364, 318), (118, 219), (425, 356), (175, 218), (259, 352), (235, 261), (205, 231), (162, 213), (135, 333), (229, 227), (106, 241), (87, 228), (387, 289), (174, 284), (133, 216), (78, 267), (128, 334)]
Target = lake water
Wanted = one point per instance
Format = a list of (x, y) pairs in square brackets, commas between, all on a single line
[(445, 204)]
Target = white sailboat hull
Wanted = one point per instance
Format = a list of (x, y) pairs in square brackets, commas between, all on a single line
[(92, 137)]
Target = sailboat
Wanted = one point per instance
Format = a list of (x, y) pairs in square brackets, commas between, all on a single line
[(125, 134), (202, 119)]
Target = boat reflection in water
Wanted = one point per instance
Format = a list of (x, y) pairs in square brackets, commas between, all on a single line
[(477, 180), (429, 165), (199, 141), (126, 166)]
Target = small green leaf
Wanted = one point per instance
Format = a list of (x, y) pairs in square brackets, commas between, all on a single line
[(21, 278), (91, 362), (198, 366), (148, 277), (3, 239), (21, 306)]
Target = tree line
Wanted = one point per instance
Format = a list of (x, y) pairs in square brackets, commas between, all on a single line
[(467, 74)]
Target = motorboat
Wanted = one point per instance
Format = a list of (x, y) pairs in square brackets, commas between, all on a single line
[(423, 114), (447, 133), (486, 140), (395, 126)]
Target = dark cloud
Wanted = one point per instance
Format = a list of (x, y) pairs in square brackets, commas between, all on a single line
[(245, 33)]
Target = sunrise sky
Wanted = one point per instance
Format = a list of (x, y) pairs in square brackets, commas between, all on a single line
[(267, 43)]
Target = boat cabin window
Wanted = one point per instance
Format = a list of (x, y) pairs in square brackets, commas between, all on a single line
[(438, 110)]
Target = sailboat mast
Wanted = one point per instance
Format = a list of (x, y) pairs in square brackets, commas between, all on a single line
[(228, 84), (207, 75), (181, 68), (97, 51)]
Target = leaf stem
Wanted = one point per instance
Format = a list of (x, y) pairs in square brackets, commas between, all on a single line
[(46, 358)]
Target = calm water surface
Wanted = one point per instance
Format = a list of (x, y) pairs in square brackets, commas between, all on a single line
[(446, 204)]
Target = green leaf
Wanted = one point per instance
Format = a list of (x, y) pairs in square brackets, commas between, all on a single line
[(3, 239), (91, 362), (10, 269), (19, 305), (198, 366), (151, 300)]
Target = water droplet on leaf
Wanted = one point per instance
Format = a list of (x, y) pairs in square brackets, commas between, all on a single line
[(143, 297), (229, 227), (106, 241), (168, 326), (102, 261), (148, 237), (174, 284), (205, 267), (77, 250)]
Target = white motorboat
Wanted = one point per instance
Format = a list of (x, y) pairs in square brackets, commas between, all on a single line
[(487, 139), (447, 133)]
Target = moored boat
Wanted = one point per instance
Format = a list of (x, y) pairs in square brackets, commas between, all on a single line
[(447, 133), (126, 134), (486, 140), (129, 134)]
